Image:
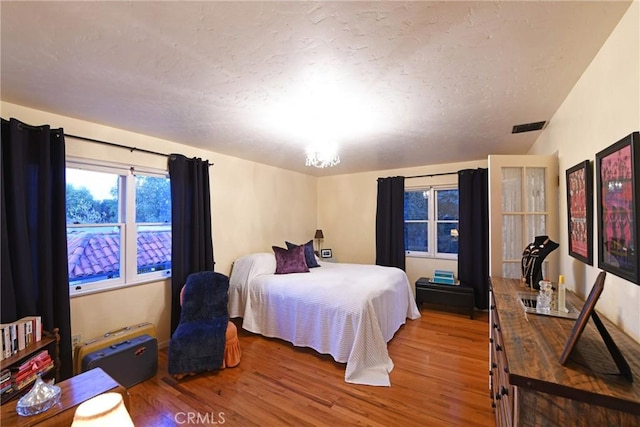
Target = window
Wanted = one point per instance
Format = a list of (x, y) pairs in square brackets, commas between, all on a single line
[(118, 226), (431, 222)]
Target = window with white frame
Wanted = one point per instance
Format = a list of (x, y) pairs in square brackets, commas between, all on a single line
[(118, 226), (431, 222)]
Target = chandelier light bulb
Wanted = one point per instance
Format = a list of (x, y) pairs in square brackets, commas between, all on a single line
[(322, 157)]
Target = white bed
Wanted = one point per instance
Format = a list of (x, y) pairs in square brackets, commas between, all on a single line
[(349, 311)]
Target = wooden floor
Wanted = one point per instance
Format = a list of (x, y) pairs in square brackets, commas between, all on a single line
[(440, 379)]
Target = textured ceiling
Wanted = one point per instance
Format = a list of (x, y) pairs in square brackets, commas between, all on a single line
[(392, 84)]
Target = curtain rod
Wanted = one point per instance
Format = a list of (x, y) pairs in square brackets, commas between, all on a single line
[(127, 147), (430, 175), (97, 141)]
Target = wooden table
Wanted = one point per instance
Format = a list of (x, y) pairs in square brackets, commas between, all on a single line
[(530, 387), (74, 391)]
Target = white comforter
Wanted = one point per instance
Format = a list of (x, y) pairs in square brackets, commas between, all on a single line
[(349, 311)]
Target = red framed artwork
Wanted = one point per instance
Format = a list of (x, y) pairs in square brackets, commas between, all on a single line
[(580, 211), (617, 173)]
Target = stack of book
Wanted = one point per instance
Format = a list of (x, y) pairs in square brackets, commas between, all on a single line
[(5, 382), (26, 372), (20, 334), (443, 277)]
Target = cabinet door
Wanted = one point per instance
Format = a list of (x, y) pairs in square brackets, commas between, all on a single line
[(523, 203)]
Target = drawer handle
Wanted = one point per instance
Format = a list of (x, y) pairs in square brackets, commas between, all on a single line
[(506, 369), (494, 365), (498, 347), (505, 391), (491, 340), (498, 396), (490, 373)]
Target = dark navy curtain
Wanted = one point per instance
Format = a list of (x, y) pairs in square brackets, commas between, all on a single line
[(191, 241), (390, 222), (473, 240), (35, 280)]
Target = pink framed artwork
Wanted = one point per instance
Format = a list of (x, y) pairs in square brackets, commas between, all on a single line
[(580, 211), (617, 173)]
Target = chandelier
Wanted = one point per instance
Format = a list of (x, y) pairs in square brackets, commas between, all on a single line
[(322, 157)]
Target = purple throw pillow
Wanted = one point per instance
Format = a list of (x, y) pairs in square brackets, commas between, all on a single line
[(290, 261), (309, 255)]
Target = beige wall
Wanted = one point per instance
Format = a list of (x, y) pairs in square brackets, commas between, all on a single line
[(254, 206), (347, 213), (603, 107)]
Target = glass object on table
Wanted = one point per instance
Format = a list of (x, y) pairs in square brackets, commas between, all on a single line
[(40, 398), (543, 302)]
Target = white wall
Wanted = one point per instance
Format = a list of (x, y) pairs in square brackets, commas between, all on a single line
[(253, 207), (603, 107), (347, 213)]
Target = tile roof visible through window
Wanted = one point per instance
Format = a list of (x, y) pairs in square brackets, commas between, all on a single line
[(97, 255)]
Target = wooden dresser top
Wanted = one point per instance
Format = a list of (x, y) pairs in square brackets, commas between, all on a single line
[(533, 345)]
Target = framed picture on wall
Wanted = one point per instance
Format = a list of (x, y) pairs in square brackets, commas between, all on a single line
[(326, 253), (617, 173), (580, 211)]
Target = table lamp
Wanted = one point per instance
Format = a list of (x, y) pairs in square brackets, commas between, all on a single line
[(106, 409), (318, 236)]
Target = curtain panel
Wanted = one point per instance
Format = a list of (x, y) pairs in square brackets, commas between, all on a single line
[(191, 241), (473, 240), (390, 222), (35, 279)]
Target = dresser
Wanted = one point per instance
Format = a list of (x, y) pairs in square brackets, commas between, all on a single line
[(528, 385)]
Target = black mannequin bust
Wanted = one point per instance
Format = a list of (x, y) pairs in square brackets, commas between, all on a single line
[(532, 258)]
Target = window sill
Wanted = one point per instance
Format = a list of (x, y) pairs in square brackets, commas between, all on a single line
[(428, 256), (417, 255), (108, 288)]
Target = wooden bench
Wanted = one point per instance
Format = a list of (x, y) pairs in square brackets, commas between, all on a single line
[(458, 296)]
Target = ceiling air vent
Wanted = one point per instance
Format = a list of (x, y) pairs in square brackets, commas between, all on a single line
[(528, 127)]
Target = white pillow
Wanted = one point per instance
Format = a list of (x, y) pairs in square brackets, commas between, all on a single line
[(247, 267)]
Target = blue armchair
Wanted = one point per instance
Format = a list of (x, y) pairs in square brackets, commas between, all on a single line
[(198, 343)]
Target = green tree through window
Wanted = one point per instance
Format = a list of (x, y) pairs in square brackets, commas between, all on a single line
[(153, 199)]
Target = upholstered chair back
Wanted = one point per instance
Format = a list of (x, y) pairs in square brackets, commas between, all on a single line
[(206, 296)]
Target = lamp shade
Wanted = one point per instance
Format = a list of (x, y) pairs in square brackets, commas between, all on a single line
[(106, 410), (319, 235)]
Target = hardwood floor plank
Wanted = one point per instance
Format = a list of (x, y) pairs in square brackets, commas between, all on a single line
[(440, 378)]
